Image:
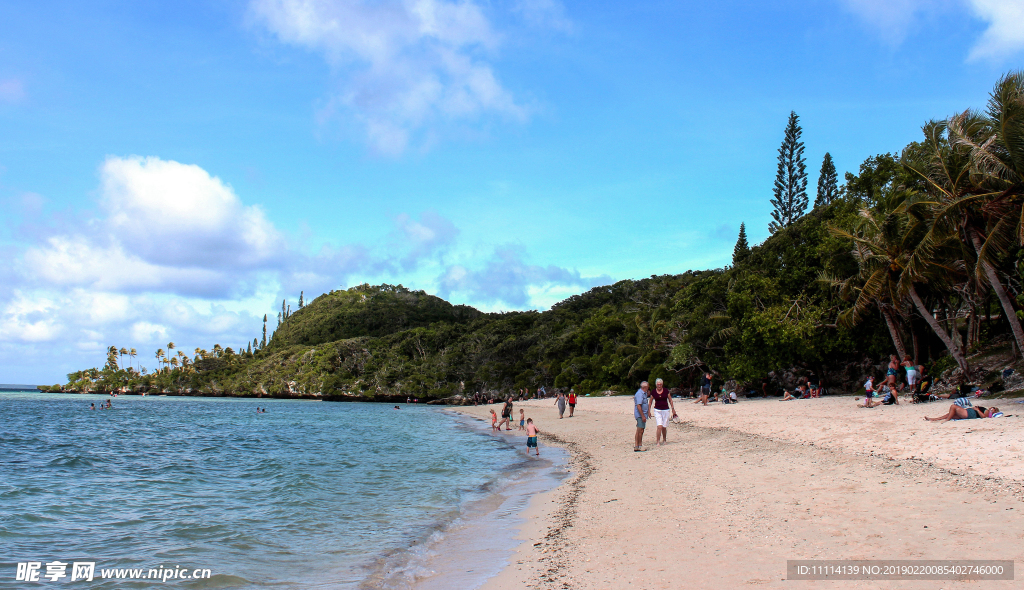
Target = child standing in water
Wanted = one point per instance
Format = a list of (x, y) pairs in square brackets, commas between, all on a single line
[(531, 434), (494, 420), (522, 419)]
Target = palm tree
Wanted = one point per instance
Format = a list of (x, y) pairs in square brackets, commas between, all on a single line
[(975, 167), (131, 356), (886, 249), (159, 357)]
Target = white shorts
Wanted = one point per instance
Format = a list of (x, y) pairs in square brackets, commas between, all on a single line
[(662, 417), (911, 378)]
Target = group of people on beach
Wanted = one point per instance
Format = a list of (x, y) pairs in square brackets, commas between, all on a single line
[(562, 400), (916, 382), (525, 424)]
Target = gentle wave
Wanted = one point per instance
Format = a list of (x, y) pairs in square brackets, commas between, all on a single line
[(308, 495)]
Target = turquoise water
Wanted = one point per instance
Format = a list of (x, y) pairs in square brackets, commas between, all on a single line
[(308, 495)]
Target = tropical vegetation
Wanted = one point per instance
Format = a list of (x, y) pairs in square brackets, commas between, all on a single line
[(919, 253)]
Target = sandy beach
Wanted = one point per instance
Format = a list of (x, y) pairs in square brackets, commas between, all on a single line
[(740, 489)]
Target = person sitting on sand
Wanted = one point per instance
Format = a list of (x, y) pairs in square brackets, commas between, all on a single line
[(494, 421), (958, 413), (522, 419), (531, 437), (788, 396)]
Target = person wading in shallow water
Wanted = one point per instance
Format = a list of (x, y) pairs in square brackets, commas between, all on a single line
[(642, 413), (506, 415)]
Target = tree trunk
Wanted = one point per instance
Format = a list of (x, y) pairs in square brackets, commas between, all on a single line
[(997, 286), (951, 345), (893, 331), (917, 352)]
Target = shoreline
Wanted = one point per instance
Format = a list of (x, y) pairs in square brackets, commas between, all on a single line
[(741, 488), (466, 551)]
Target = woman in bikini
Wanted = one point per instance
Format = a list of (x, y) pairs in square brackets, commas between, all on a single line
[(958, 413), (890, 376)]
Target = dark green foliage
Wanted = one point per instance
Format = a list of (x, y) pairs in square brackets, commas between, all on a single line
[(777, 308), (790, 192), (367, 311), (741, 250), (768, 313), (828, 182)]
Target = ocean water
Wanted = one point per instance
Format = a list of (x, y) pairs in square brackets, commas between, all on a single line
[(308, 495)]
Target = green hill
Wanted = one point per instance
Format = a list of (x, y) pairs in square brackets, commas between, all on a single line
[(366, 311)]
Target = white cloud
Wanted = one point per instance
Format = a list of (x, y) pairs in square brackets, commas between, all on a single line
[(172, 253), (411, 65), (11, 90), (1005, 33), (147, 332), (431, 235), (506, 279), (891, 18), (545, 13)]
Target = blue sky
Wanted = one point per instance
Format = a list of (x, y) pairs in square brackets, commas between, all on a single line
[(171, 171)]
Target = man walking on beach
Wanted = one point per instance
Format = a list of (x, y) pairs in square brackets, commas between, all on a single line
[(642, 413)]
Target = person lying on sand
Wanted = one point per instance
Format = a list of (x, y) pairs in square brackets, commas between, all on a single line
[(958, 413)]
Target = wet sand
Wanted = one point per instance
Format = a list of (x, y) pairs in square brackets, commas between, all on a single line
[(742, 488)]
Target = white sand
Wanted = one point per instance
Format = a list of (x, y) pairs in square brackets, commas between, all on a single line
[(742, 488)]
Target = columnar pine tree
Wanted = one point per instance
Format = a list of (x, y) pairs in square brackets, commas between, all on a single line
[(828, 182), (790, 191), (264, 343), (279, 314), (742, 249), (301, 304)]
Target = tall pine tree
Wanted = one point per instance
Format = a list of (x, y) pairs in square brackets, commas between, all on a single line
[(828, 182), (742, 249), (264, 342), (790, 191)]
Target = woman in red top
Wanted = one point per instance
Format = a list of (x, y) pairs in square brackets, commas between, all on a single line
[(572, 401), (662, 404)]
